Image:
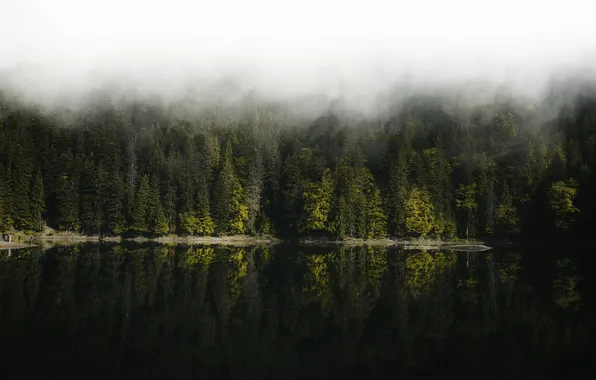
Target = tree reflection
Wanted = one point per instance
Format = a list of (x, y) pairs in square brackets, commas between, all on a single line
[(211, 311)]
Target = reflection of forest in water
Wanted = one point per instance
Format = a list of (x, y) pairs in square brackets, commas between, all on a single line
[(152, 311)]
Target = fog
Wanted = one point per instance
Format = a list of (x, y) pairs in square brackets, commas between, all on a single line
[(58, 51)]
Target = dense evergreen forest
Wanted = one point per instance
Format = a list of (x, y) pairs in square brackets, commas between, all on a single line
[(436, 167)]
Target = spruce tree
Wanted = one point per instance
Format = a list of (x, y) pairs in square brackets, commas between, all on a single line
[(205, 225), (19, 187), (5, 218), (395, 197), (113, 217), (67, 200), (376, 220), (37, 203), (229, 209), (89, 185), (419, 211), (139, 212), (317, 203), (158, 223)]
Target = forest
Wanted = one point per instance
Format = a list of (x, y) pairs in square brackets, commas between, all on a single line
[(434, 166)]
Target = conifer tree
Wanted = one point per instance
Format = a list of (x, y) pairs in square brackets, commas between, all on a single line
[(19, 188), (205, 225), (561, 196), (114, 222), (37, 203), (89, 201), (419, 212), (139, 211), (67, 200), (5, 218), (395, 197), (376, 220), (292, 194), (229, 209), (506, 214), (317, 203), (156, 217)]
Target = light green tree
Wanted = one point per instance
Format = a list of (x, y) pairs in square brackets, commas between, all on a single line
[(561, 196), (376, 220), (317, 203), (229, 200), (419, 212), (506, 214)]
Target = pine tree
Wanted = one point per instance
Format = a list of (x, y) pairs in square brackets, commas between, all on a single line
[(37, 203), (113, 217), (291, 191), (5, 218), (317, 203), (139, 211), (205, 225), (229, 209), (347, 214), (67, 200), (19, 188), (376, 220), (254, 189), (89, 201), (419, 211), (156, 217), (395, 197), (465, 201), (506, 214), (561, 196), (271, 213)]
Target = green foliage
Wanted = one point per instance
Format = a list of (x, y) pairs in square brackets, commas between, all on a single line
[(465, 201), (229, 200), (422, 269), (67, 205), (507, 215), (420, 213), (317, 203), (376, 220), (139, 216), (147, 170), (156, 217), (189, 223), (561, 196), (395, 196), (5, 218), (114, 223), (37, 203)]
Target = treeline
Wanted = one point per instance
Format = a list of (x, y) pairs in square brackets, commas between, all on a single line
[(433, 168)]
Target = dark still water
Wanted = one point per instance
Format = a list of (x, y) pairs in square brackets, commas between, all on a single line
[(117, 311)]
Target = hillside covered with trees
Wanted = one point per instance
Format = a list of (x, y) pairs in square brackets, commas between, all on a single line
[(432, 168)]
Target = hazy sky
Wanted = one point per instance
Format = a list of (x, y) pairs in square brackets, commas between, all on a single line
[(288, 47)]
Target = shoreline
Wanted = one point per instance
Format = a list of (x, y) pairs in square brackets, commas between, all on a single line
[(247, 240), (12, 245), (240, 240)]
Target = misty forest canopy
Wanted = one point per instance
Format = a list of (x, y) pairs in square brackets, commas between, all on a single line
[(434, 167)]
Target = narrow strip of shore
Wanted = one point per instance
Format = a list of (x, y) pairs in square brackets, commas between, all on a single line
[(6, 245), (246, 240)]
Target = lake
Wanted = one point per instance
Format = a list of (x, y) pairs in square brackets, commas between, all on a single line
[(288, 312)]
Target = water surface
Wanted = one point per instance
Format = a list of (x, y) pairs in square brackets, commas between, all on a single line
[(156, 311)]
